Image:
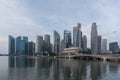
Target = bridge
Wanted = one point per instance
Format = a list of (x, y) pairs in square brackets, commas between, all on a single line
[(101, 57)]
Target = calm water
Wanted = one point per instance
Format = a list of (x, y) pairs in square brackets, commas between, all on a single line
[(22, 68)]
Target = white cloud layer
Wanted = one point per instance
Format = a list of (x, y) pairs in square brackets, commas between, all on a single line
[(14, 22), (31, 18)]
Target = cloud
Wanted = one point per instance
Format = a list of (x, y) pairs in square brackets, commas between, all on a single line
[(14, 22), (31, 18), (109, 20)]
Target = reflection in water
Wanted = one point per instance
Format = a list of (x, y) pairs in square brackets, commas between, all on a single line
[(23, 68), (74, 69), (11, 61), (113, 67), (21, 62), (97, 70)]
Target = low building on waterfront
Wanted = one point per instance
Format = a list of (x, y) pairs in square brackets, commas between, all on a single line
[(71, 51)]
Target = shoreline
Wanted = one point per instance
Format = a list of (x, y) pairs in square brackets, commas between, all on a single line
[(104, 57)]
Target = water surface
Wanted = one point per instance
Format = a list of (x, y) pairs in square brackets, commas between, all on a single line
[(38, 68)]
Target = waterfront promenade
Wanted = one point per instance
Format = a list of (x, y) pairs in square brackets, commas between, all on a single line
[(101, 57)]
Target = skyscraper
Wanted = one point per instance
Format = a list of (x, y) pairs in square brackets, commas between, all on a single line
[(51, 48), (62, 45), (25, 41), (39, 44), (18, 45), (11, 47), (98, 44), (77, 36), (31, 48), (47, 37), (47, 43), (104, 46), (21, 45), (56, 42), (94, 38), (114, 47), (67, 39), (84, 43)]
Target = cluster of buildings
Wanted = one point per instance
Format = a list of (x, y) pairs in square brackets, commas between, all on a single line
[(21, 46), (99, 45), (59, 44), (43, 45)]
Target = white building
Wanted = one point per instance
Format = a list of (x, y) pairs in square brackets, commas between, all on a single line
[(71, 51), (104, 46)]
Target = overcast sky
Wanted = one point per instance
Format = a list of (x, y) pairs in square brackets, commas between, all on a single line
[(39, 17)]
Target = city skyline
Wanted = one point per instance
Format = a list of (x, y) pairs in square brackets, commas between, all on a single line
[(71, 43), (20, 45), (19, 17)]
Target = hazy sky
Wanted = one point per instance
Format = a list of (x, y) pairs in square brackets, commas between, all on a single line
[(39, 17)]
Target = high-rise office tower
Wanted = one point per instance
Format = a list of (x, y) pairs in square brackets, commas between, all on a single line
[(84, 43), (25, 41), (39, 44), (18, 45), (31, 48), (11, 45), (114, 47), (47, 43), (45, 47), (94, 38), (104, 46), (62, 45), (47, 37), (67, 39), (51, 48), (22, 47), (77, 36), (56, 42), (99, 44)]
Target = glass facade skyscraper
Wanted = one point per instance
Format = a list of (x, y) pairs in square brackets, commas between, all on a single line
[(18, 45), (39, 44), (31, 48), (84, 43), (114, 47), (46, 45), (11, 46), (77, 36), (98, 44), (25, 40), (67, 39), (56, 42), (21, 45)]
